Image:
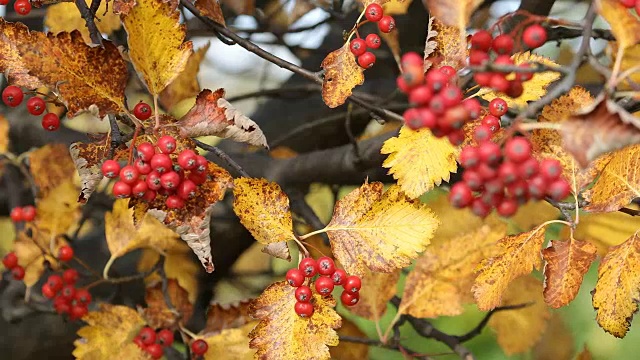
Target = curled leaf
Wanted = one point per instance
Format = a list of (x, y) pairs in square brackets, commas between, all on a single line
[(158, 314), (211, 9), (88, 158), (342, 74), (430, 44)]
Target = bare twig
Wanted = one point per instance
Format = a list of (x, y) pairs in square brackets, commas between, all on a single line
[(89, 19), (223, 156), (478, 329)]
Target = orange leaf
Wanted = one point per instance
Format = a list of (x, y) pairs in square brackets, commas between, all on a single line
[(178, 265), (377, 290), (211, 9), (283, 335), (88, 159), (51, 166), (342, 74), (567, 262), (213, 115), (618, 287), (186, 84), (624, 26), (451, 46), (11, 61), (158, 314), (520, 255), (229, 316), (452, 13)]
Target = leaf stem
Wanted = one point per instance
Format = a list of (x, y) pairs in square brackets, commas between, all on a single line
[(306, 236)]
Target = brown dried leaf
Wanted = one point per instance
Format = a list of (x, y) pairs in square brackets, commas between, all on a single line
[(567, 262), (88, 159), (11, 61), (50, 166), (229, 316), (382, 232), (430, 44), (186, 84), (158, 314), (624, 26), (241, 6), (440, 284), (557, 342), (451, 47), (213, 115), (452, 13), (520, 255), (123, 7), (283, 335), (377, 290), (211, 9), (229, 344), (342, 74)]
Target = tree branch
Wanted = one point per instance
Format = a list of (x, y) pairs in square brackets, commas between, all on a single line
[(223, 156), (478, 329), (89, 19)]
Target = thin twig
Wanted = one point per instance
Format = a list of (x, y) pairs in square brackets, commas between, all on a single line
[(478, 329), (89, 19), (223, 156)]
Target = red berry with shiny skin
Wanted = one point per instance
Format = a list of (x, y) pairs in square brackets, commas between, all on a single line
[(165, 337), (452, 96), (142, 111), (174, 202), (18, 272), (303, 309), (469, 157), (412, 119), (170, 180), (161, 163), (55, 282), (121, 190), (436, 80), (68, 292), (534, 36), (153, 181), (483, 78), (473, 180), (12, 96), (303, 294), (498, 107), (110, 169), (507, 207), (144, 168), (167, 144), (515, 89), (358, 47), (478, 58), (460, 195), (489, 153), (154, 350), (47, 292), (147, 335), (295, 277), (456, 137), (518, 189), (65, 253), (309, 267), (187, 159), (420, 95), (537, 187), (411, 59), (558, 190), (550, 169), (508, 172), (324, 285), (28, 213), (366, 60), (482, 133), (50, 122), (492, 122), (481, 40), (374, 12), (187, 189), (349, 298), (36, 106), (200, 347), (139, 189), (386, 24), (202, 164), (326, 266), (486, 171), (129, 175), (499, 82), (339, 277), (353, 284), (70, 276), (22, 7), (503, 44), (373, 41), (448, 70), (138, 341), (517, 149), (10, 260), (83, 296), (437, 105), (146, 151)]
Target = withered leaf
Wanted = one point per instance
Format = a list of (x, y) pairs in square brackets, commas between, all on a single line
[(88, 158), (342, 74), (430, 44), (211, 9), (456, 13), (451, 49), (158, 314), (229, 316), (11, 61), (625, 26)]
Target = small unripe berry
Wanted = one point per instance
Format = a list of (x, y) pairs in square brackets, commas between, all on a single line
[(303, 294), (309, 267), (295, 277)]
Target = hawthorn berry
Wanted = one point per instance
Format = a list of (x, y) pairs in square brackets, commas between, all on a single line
[(187, 159), (358, 46), (304, 309), (473, 107), (139, 189), (452, 95), (558, 190), (373, 41), (303, 294), (339, 277), (70, 276), (386, 24), (48, 292), (420, 95), (448, 70), (129, 175), (295, 277), (161, 163), (142, 111), (529, 168), (170, 180), (503, 44), (437, 105), (143, 167), (28, 213), (469, 157), (436, 80), (479, 208), (138, 341), (460, 195), (121, 190), (517, 149), (65, 253), (4, 2), (16, 214), (166, 144), (309, 267), (200, 347), (202, 164), (110, 169), (373, 12), (10, 260), (154, 350), (366, 60), (147, 335), (55, 282), (550, 169), (518, 189), (22, 7), (486, 172), (326, 266), (18, 272), (472, 179), (352, 284), (489, 153), (483, 78), (411, 60), (187, 189), (637, 7), (628, 3), (12, 96), (174, 202), (78, 311), (537, 187), (36, 106), (477, 57), (145, 151), (499, 82), (524, 76), (482, 133), (534, 36), (492, 122), (50, 122), (515, 89), (349, 298), (153, 181), (481, 40), (324, 285), (508, 172), (68, 292), (165, 337), (149, 196), (498, 107), (61, 305)]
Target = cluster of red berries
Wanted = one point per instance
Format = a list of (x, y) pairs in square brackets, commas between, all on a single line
[(67, 299), (373, 13), (483, 43), (504, 178), (12, 96), (152, 342), (630, 4), (22, 7), (324, 284), (438, 101), (24, 213), (156, 173), (10, 262)]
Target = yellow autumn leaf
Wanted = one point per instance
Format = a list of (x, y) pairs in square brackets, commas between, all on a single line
[(630, 59), (520, 255), (441, 281), (618, 287), (377, 289), (186, 84), (51, 165), (342, 74), (605, 230), (283, 335), (156, 43), (624, 26), (382, 232), (230, 344), (454, 222), (37, 253), (178, 265), (347, 350), (65, 16), (532, 214), (567, 262), (109, 334), (618, 184), (396, 7), (509, 324), (4, 134), (419, 160), (263, 208), (533, 89), (557, 341), (59, 210)]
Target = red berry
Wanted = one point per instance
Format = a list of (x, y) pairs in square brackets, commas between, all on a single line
[(637, 7), (147, 335), (139, 189), (373, 41), (22, 7), (402, 84), (149, 196), (478, 58), (517, 149), (498, 107), (503, 60), (524, 76), (154, 350), (456, 137), (452, 96), (83, 296), (339, 277), (187, 189), (326, 266), (469, 157), (165, 337), (28, 213), (200, 347), (324, 285), (494, 186), (16, 214), (78, 311), (197, 179), (48, 292), (129, 175), (110, 169), (373, 12), (4, 2), (534, 36), (12, 96), (36, 106), (153, 181), (550, 169), (558, 190), (437, 105), (65, 253), (518, 189), (143, 167), (473, 107), (515, 89), (142, 111), (68, 292), (489, 153), (473, 180), (503, 44), (146, 151), (479, 208), (309, 267), (412, 119), (411, 59), (166, 144), (303, 294), (121, 190), (436, 80), (18, 272), (386, 24), (366, 60), (499, 83), (482, 133), (188, 159), (304, 309), (507, 207), (508, 172), (170, 180), (460, 195), (628, 3), (295, 277), (352, 284), (537, 187), (50, 122), (448, 70), (486, 172), (492, 122), (10, 260), (349, 298), (161, 163), (483, 78), (70, 276), (481, 40), (62, 305), (55, 282), (202, 164), (358, 46), (138, 341), (174, 202), (420, 95), (529, 168)]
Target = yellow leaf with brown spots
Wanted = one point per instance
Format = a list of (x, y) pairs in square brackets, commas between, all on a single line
[(440, 284), (520, 254), (158, 314), (347, 350), (211, 9), (377, 289), (624, 26), (230, 344), (533, 89), (58, 211), (342, 74), (186, 84), (419, 160), (228, 316), (88, 159), (35, 251), (618, 287), (451, 49), (508, 324), (452, 13), (532, 214), (11, 61), (567, 262), (156, 43), (51, 165), (283, 335), (382, 232), (109, 334), (605, 229), (65, 16), (557, 341), (263, 208), (4, 134), (396, 7)]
